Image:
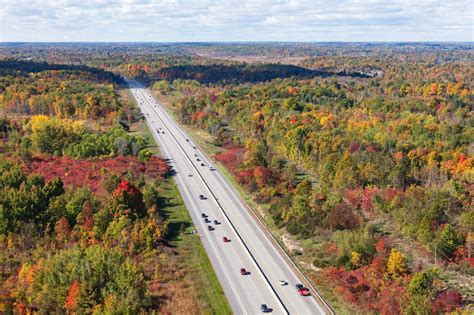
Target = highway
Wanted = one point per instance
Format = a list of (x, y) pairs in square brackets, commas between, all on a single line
[(249, 246)]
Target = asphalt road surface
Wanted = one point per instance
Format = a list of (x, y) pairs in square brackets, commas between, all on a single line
[(249, 246)]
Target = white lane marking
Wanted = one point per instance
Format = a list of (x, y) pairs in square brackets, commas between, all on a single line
[(195, 208), (227, 219)]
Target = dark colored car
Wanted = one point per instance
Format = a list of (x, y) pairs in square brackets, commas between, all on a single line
[(203, 215), (198, 159), (299, 286), (187, 140), (207, 220), (216, 222), (243, 272), (225, 239), (210, 228), (194, 147), (202, 197), (202, 164), (265, 309)]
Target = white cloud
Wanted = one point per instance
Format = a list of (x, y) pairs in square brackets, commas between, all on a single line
[(231, 20)]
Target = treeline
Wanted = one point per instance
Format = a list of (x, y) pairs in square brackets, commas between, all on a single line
[(239, 73), (22, 68)]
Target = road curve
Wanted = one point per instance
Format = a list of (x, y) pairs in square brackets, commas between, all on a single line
[(249, 246)]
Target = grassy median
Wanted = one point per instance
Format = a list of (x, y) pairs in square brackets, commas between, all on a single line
[(193, 261)]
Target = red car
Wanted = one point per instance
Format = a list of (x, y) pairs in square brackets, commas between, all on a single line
[(304, 292), (243, 272), (225, 239)]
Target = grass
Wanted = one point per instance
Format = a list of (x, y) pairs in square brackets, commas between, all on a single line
[(193, 257)]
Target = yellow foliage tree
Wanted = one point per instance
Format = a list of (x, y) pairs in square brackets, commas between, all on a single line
[(396, 263)]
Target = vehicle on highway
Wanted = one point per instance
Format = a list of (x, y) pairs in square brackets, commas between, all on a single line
[(202, 164), (283, 282), (203, 215), (225, 239), (187, 139), (210, 228), (304, 291), (198, 159), (194, 147), (202, 197), (163, 132), (244, 272), (211, 168), (216, 222), (207, 220), (299, 286), (190, 175), (196, 155), (265, 309)]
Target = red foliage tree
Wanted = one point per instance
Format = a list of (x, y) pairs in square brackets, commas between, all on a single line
[(128, 200), (72, 296)]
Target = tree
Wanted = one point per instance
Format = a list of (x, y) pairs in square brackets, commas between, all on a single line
[(346, 174), (127, 200), (447, 241), (62, 229), (395, 264), (421, 282)]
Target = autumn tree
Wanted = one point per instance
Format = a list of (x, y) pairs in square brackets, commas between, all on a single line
[(396, 264)]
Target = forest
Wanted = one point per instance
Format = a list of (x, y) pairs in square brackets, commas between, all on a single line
[(84, 225), (375, 172), (360, 156)]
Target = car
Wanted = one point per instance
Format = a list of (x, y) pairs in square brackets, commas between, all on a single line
[(194, 147), (283, 282), (195, 155), (265, 309), (202, 197), (207, 220), (216, 222), (202, 164), (211, 168), (187, 140), (203, 215), (225, 239), (299, 286), (198, 159), (210, 228), (243, 272), (304, 291), (163, 132), (190, 175)]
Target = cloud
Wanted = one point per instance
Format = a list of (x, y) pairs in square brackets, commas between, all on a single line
[(230, 20)]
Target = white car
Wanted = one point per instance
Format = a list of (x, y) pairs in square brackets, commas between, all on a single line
[(283, 282)]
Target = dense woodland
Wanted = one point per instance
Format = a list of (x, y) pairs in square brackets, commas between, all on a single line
[(361, 153)]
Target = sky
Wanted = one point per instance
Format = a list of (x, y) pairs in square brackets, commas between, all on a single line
[(230, 20)]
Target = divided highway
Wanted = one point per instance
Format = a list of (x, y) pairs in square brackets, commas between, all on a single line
[(209, 196)]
